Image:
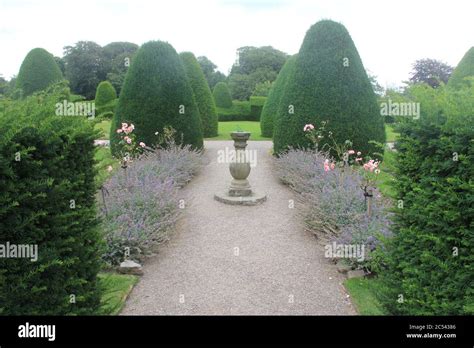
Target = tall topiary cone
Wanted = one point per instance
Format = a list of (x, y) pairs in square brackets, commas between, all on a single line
[(273, 101), (156, 93), (105, 93), (38, 71), (464, 69), (202, 94), (329, 83), (222, 95)]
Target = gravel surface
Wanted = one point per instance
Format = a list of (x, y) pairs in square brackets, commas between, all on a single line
[(226, 260)]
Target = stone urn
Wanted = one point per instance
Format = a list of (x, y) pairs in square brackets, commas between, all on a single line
[(240, 191)]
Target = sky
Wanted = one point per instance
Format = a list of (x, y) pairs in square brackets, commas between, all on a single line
[(389, 34)]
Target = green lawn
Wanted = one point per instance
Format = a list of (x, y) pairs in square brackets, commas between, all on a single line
[(362, 292), (116, 288), (387, 175), (104, 128), (225, 128), (390, 133)]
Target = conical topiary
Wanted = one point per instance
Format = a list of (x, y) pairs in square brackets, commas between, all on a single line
[(202, 94), (273, 101), (156, 93), (328, 83), (38, 71), (222, 95), (464, 69), (105, 96)]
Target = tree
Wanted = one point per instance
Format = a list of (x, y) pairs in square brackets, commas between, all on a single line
[(430, 71), (105, 97), (273, 101), (156, 93), (254, 65), (117, 59), (202, 94), (38, 71), (84, 67), (222, 95), (209, 69), (464, 69), (328, 83)]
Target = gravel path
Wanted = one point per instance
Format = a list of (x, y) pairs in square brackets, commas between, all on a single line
[(226, 260)]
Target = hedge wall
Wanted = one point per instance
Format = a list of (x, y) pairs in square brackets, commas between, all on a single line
[(47, 198)]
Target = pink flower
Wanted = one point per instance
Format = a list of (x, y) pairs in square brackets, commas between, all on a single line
[(333, 165), (127, 139), (142, 144), (124, 125), (326, 166), (119, 130), (358, 159), (351, 152), (308, 127)]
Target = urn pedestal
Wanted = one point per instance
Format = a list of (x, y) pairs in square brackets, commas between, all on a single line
[(240, 191)]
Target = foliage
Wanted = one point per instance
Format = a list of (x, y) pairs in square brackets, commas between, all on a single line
[(430, 71), (84, 67), (222, 96), (38, 71), (142, 204), (225, 128), (240, 111), (256, 106), (202, 94), (330, 83), (429, 262), (262, 89), (209, 69), (254, 65), (464, 69), (105, 97), (48, 199), (117, 58), (334, 205), (156, 94), (271, 106)]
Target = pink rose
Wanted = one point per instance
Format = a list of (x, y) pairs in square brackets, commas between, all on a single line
[(124, 125), (119, 130), (142, 144), (351, 152), (308, 127), (358, 159)]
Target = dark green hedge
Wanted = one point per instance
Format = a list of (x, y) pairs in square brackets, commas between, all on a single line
[(202, 94), (38, 71), (154, 93), (240, 111), (271, 105), (322, 87), (430, 259), (222, 95), (55, 165), (464, 69), (105, 98), (256, 106)]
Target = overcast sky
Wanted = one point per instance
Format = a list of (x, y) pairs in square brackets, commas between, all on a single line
[(389, 34)]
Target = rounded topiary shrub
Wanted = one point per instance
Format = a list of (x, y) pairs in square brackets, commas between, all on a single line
[(222, 95), (328, 83), (464, 69), (156, 93), (38, 71), (273, 101), (105, 97), (202, 94)]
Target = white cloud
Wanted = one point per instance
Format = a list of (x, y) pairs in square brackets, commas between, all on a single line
[(390, 35)]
